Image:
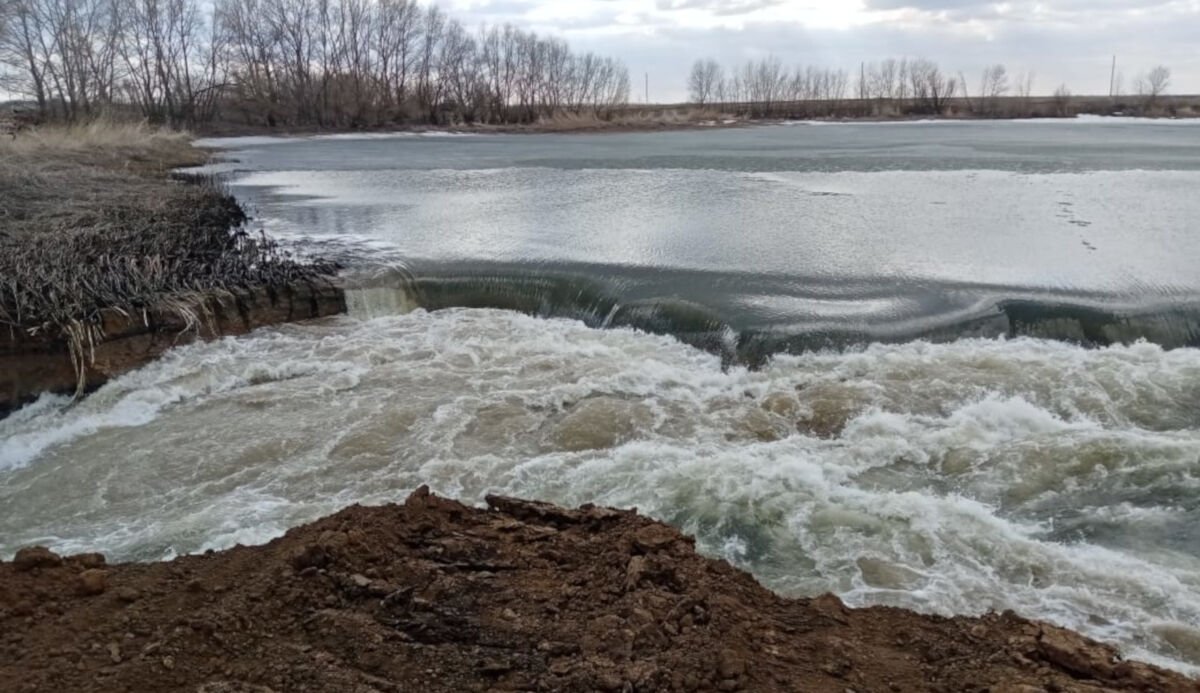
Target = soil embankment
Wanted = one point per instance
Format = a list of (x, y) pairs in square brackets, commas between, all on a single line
[(105, 262), (33, 364), (432, 595)]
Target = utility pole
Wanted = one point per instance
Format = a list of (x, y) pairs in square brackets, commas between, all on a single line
[(862, 81), (647, 88), (1112, 80)]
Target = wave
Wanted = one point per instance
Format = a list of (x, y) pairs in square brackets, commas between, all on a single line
[(858, 316)]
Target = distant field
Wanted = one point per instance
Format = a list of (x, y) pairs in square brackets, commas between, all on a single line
[(1182, 106)]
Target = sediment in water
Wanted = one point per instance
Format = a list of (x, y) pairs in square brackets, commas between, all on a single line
[(437, 596)]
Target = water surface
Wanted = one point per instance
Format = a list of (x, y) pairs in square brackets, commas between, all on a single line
[(792, 237)]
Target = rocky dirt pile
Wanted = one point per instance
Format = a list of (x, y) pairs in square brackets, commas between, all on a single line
[(432, 595)]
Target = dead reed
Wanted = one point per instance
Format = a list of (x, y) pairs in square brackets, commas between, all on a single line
[(649, 118), (89, 221)]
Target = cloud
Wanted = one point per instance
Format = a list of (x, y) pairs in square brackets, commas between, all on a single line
[(722, 8), (930, 5), (1035, 10), (1063, 41)]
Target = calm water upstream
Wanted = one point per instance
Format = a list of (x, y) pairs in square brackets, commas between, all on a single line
[(950, 367)]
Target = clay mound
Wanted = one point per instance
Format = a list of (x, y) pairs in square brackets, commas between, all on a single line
[(432, 595)]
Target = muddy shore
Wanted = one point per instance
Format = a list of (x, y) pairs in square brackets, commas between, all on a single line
[(433, 595)]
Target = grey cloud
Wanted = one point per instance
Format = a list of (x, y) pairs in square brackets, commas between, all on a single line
[(717, 7), (1079, 56), (933, 5), (1075, 48), (993, 7)]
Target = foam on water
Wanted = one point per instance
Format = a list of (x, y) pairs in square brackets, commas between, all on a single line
[(1060, 482), (137, 399)]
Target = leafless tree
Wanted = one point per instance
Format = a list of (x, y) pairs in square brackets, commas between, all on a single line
[(169, 63), (1152, 85), (995, 82), (1024, 89), (66, 51), (329, 63), (902, 91), (931, 88), (881, 79), (1062, 101), (704, 81), (993, 87)]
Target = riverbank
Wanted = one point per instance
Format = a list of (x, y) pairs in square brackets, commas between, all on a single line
[(667, 120), (438, 596), (635, 120), (99, 244)]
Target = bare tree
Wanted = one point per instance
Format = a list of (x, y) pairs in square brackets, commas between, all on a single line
[(66, 50), (7, 12), (902, 81), (704, 81), (930, 86), (1062, 102), (328, 63), (993, 87), (170, 63), (1024, 90), (1152, 85), (966, 92), (882, 79)]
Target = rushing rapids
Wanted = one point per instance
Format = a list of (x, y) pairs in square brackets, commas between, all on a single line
[(955, 478)]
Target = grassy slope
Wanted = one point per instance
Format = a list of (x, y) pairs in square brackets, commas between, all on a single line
[(89, 220)]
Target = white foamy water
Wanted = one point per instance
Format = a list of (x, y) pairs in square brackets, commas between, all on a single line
[(1060, 482)]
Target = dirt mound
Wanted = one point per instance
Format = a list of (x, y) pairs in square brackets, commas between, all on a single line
[(432, 595)]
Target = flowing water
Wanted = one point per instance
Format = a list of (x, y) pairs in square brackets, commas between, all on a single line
[(950, 367)]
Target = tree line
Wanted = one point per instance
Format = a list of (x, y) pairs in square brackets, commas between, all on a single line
[(322, 63), (903, 86)]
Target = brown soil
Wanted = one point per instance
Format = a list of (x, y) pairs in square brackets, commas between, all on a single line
[(32, 365), (432, 595)]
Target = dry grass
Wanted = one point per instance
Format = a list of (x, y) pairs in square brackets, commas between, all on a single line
[(647, 119), (132, 147), (63, 180), (90, 221)]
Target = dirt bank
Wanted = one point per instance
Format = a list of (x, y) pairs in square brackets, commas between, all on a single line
[(33, 364), (432, 595)]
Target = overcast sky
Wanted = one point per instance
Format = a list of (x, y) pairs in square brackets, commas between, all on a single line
[(1063, 41)]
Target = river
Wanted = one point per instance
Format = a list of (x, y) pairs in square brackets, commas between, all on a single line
[(946, 366)]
